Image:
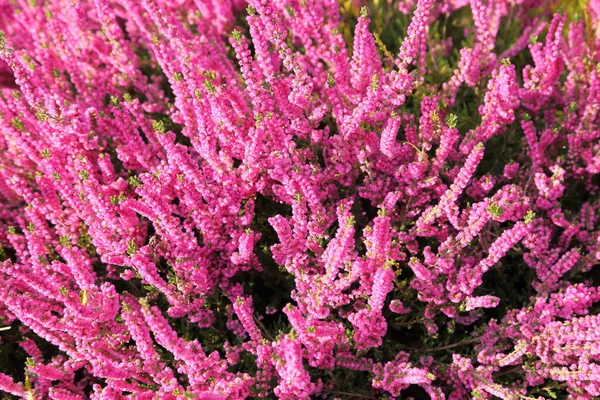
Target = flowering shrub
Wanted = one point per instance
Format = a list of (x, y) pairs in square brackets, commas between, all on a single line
[(290, 199)]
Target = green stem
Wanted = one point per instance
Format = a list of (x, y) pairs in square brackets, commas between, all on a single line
[(450, 346), (362, 396)]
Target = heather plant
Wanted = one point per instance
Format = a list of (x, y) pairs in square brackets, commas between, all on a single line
[(299, 199)]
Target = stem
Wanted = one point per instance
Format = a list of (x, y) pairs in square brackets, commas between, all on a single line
[(509, 371), (260, 324), (406, 210), (450, 346), (362, 396), (545, 388), (407, 323)]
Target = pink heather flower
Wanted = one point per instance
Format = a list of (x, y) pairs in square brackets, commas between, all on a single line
[(501, 99), (365, 60), (412, 48), (369, 328), (382, 285), (394, 377), (9, 386), (446, 203), (388, 136), (399, 308), (244, 311), (472, 303), (294, 380), (507, 240)]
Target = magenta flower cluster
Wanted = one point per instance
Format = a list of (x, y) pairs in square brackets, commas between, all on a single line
[(221, 199)]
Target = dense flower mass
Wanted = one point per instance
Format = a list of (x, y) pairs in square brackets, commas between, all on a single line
[(299, 199)]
